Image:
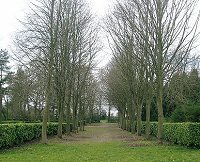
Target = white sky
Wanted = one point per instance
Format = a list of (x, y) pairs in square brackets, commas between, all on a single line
[(12, 10)]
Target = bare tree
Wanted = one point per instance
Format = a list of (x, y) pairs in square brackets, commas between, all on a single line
[(162, 34), (60, 37)]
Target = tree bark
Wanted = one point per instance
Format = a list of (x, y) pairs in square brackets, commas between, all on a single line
[(1, 105), (148, 110), (160, 109), (139, 121), (109, 109), (49, 77), (60, 119)]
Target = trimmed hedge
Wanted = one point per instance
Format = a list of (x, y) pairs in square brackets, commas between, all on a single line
[(15, 134), (114, 119), (187, 134)]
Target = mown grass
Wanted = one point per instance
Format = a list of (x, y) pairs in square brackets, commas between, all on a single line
[(100, 144), (113, 151)]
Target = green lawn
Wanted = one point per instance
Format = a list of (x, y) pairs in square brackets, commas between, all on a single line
[(98, 144)]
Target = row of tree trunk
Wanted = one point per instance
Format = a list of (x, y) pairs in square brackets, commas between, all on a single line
[(150, 40), (61, 38)]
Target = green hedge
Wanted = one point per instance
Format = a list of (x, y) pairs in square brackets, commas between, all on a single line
[(18, 121), (114, 119), (15, 134), (187, 134)]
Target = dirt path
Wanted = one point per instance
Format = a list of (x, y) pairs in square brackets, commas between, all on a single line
[(102, 132)]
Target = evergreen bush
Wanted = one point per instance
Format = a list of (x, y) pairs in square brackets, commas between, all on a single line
[(15, 134), (187, 134)]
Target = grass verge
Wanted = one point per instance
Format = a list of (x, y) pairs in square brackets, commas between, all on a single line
[(114, 151)]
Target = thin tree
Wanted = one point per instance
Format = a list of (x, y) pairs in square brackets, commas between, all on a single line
[(167, 31), (4, 70)]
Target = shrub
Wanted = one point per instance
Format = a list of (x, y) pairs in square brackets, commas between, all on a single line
[(7, 135), (114, 119), (186, 113), (15, 134), (187, 134), (179, 115), (11, 122)]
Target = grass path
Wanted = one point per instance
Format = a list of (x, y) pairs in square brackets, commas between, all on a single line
[(102, 132), (100, 143)]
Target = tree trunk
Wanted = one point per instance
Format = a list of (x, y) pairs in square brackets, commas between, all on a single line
[(124, 121), (139, 121), (148, 110), (109, 109), (75, 120), (60, 119), (160, 109), (68, 120), (35, 111), (159, 69), (49, 75), (131, 111), (1, 105), (46, 109), (132, 118)]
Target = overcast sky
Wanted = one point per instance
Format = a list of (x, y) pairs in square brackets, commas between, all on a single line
[(12, 10)]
